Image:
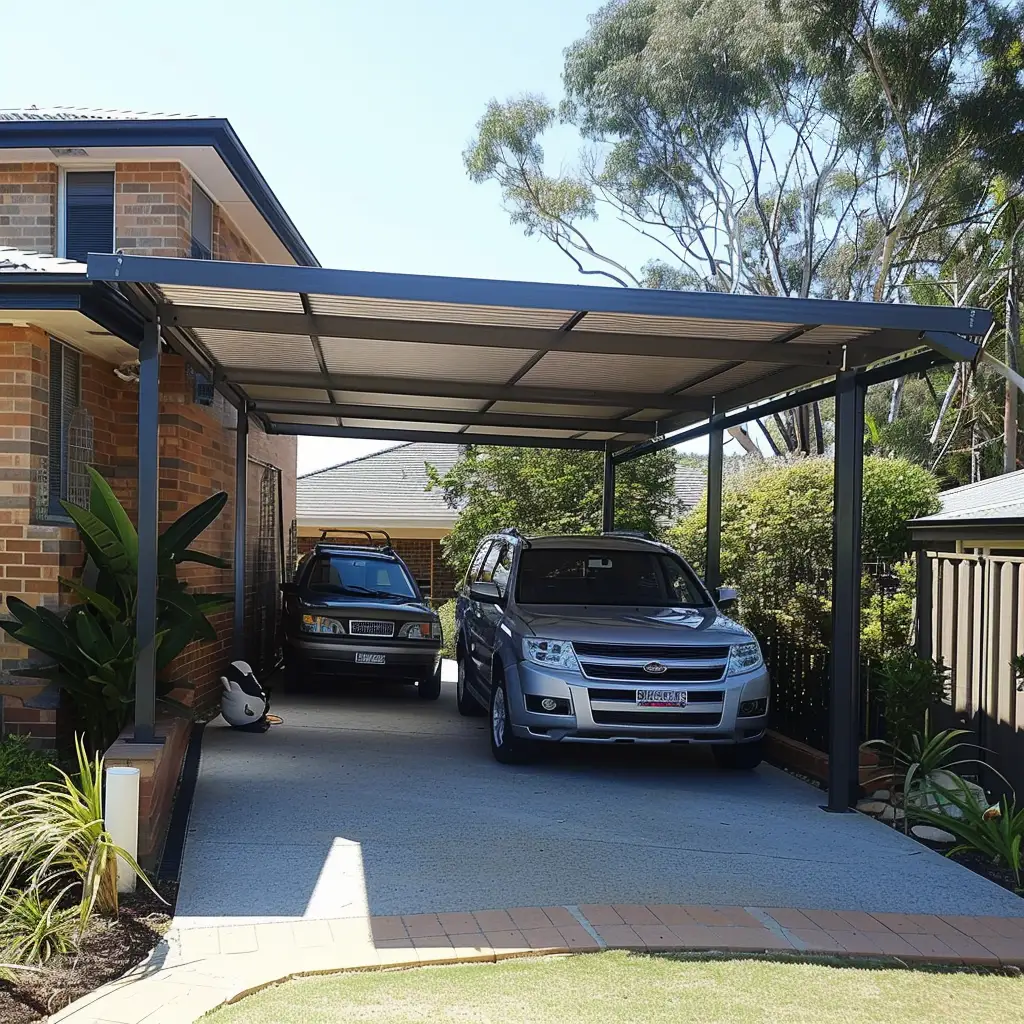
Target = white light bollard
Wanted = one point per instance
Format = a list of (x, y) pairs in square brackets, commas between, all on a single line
[(121, 816)]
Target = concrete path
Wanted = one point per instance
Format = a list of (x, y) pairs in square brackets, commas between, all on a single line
[(375, 802)]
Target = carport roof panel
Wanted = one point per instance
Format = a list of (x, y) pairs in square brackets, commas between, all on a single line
[(446, 343)]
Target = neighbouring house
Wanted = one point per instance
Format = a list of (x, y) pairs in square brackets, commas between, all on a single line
[(78, 181), (388, 491), (970, 603)]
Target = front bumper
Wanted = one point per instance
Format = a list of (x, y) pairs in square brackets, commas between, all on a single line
[(605, 711), (413, 659)]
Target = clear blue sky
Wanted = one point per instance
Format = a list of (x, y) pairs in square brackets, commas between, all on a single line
[(356, 112)]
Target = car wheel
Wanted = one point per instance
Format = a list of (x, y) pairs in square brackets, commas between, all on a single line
[(430, 688), (740, 756), (464, 700), (505, 745)]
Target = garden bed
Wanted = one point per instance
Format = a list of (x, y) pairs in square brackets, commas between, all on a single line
[(109, 949)]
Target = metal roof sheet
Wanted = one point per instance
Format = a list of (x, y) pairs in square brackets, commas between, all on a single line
[(1001, 497), (28, 261), (485, 358)]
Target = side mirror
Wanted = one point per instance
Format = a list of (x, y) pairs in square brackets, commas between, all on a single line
[(484, 591), (727, 595)]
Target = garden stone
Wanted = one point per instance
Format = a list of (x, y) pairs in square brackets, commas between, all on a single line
[(871, 806), (880, 794), (891, 813), (932, 834), (929, 794)]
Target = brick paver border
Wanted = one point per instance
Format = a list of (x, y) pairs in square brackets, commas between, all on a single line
[(195, 970)]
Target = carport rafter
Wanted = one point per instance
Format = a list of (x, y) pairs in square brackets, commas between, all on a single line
[(430, 332)]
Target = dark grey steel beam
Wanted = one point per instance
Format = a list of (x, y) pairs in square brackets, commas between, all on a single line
[(713, 538), (462, 416), (434, 436), (427, 388), (238, 644), (533, 295), (432, 332), (844, 688), (149, 533), (608, 491)]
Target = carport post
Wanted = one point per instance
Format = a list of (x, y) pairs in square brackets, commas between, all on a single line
[(238, 555), (149, 527), (844, 695), (713, 531), (608, 502)]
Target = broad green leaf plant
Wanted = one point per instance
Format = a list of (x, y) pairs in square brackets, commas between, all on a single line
[(93, 643)]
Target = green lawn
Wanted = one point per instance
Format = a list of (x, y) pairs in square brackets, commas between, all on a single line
[(617, 987)]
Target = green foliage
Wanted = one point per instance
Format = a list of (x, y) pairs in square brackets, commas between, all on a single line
[(777, 535), (997, 831), (541, 490), (52, 837), (21, 764), (447, 615), (910, 686), (93, 643), (35, 928), (887, 615)]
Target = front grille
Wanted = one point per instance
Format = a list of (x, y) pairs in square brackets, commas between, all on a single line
[(672, 674), (629, 696), (371, 627), (657, 717), (652, 652)]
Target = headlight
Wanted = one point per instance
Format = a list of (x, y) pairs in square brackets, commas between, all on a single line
[(420, 631), (551, 653), (744, 657), (322, 624)]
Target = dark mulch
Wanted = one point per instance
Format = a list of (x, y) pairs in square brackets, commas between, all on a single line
[(109, 949), (982, 865)]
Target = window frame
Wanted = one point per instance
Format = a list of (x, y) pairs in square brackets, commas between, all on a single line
[(62, 202), (54, 495), (193, 241)]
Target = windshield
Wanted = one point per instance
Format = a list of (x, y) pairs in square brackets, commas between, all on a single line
[(352, 574), (603, 576)]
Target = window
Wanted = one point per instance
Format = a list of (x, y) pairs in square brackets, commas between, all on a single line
[(356, 575), (478, 560), (202, 224), (603, 576), (487, 570), (502, 570), (88, 213), (65, 396)]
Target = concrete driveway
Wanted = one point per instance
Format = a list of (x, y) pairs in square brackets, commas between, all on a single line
[(370, 800)]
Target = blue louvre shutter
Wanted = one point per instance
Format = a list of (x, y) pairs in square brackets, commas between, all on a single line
[(89, 213)]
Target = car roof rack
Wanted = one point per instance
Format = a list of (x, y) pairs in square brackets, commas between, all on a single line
[(368, 534), (635, 534)]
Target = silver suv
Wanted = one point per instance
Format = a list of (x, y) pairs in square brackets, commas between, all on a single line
[(608, 639)]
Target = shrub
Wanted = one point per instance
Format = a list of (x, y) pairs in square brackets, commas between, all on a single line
[(909, 686), (22, 765), (447, 615), (34, 928)]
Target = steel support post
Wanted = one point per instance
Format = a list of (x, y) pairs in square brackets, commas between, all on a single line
[(608, 502), (149, 531), (238, 645), (844, 695), (713, 538)]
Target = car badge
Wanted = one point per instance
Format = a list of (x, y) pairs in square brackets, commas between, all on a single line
[(655, 668)]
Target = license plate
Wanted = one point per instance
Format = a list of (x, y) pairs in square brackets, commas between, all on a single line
[(661, 698), (363, 658)]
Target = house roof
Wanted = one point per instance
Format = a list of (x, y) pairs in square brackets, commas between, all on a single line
[(22, 261), (690, 484), (207, 146), (1000, 498), (385, 489)]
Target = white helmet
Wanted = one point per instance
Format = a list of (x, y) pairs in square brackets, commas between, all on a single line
[(244, 702)]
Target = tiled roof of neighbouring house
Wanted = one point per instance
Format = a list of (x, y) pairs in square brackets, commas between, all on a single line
[(20, 261), (388, 486), (1002, 497), (690, 486), (86, 114)]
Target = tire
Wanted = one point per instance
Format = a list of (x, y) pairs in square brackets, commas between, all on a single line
[(467, 704), (506, 747), (740, 756), (430, 688)]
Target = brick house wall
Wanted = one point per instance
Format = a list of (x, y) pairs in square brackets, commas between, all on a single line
[(152, 211), (416, 552), (28, 206)]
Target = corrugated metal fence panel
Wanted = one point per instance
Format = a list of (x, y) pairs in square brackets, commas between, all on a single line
[(977, 626)]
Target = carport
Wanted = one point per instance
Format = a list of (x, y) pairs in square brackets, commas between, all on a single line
[(381, 356)]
